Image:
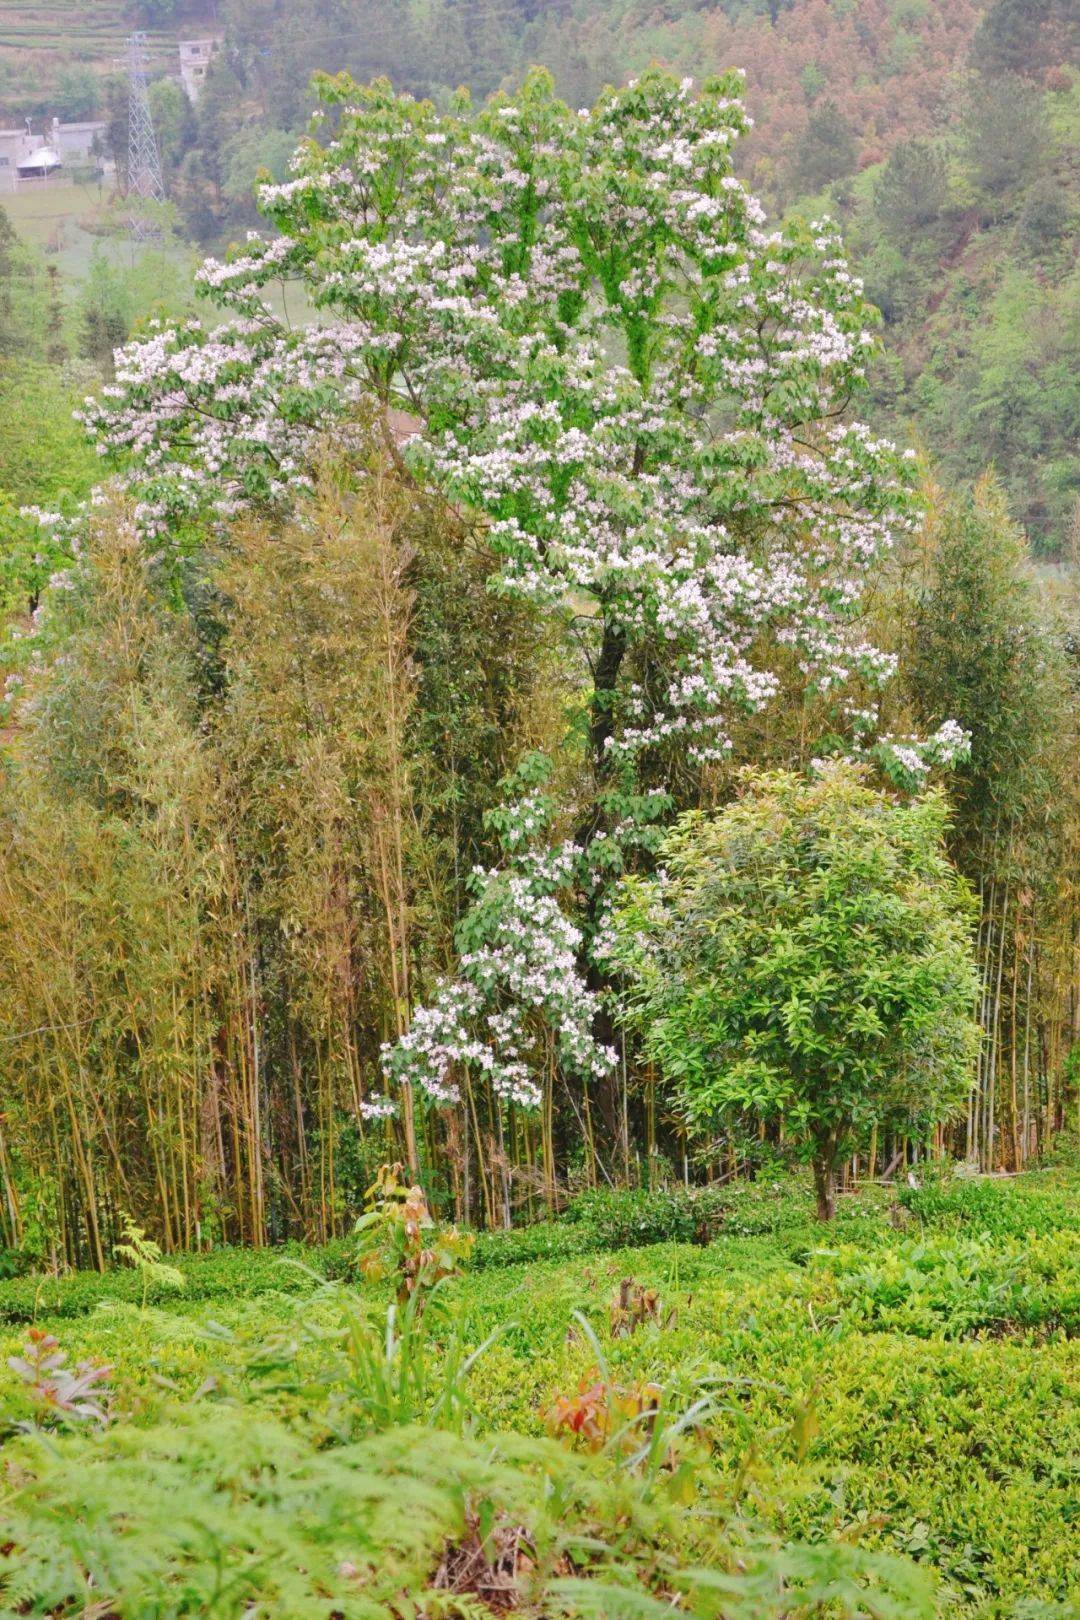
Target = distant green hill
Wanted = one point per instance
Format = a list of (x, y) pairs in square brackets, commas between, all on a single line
[(943, 133), (49, 47), (967, 242)]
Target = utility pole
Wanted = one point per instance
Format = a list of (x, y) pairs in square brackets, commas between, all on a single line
[(144, 165)]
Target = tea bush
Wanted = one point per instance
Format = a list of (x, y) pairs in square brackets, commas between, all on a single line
[(958, 1286), (222, 1274), (1039, 1204), (595, 1222), (908, 1392), (620, 1218), (333, 1461)]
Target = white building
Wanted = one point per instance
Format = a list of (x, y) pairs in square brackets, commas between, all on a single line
[(35, 156), (40, 164), (195, 57), (75, 142)]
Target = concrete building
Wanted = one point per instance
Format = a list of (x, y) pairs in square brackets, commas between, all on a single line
[(195, 57), (40, 164), (75, 142), (35, 155)]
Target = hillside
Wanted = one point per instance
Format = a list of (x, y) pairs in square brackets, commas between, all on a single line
[(876, 70), (967, 244), (833, 84), (53, 56), (987, 376)]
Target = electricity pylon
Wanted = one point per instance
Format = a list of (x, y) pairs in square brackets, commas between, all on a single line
[(144, 165)]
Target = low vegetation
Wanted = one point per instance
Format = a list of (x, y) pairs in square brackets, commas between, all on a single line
[(758, 1424)]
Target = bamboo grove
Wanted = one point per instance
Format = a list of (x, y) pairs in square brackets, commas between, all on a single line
[(227, 872), (1000, 646), (310, 713)]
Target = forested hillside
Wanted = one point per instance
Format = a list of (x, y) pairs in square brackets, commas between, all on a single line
[(943, 136), (540, 815), (864, 74), (834, 85)]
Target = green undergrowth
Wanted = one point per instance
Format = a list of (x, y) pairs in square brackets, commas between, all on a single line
[(395, 1526), (902, 1384), (779, 1209), (757, 1224), (995, 1208), (958, 1286)]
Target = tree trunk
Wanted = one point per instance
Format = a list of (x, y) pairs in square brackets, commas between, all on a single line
[(825, 1184), (601, 731)]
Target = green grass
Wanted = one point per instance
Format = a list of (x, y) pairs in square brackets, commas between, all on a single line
[(69, 221), (908, 1391)]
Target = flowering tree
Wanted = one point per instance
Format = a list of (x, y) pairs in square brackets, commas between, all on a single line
[(635, 387), (519, 965)]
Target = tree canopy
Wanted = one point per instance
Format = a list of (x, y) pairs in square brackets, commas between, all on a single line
[(805, 955)]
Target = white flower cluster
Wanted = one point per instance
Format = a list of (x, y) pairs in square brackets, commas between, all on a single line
[(911, 759), (520, 981), (374, 1109), (212, 420)]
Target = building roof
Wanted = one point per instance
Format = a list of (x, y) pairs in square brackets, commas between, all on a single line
[(43, 158)]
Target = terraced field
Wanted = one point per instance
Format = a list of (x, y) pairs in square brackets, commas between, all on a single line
[(39, 42)]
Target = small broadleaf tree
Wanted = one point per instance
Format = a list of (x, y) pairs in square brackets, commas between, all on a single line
[(805, 956)]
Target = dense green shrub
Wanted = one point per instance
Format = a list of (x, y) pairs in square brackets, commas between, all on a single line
[(13, 1263), (960, 1286), (619, 1217), (630, 1220), (595, 1222), (804, 956), (157, 1517), (545, 1240), (606, 1219), (998, 1208), (600, 1221), (222, 1274)]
